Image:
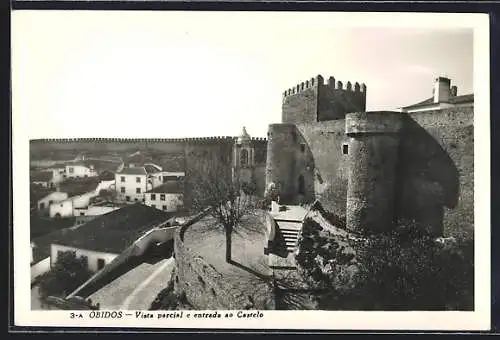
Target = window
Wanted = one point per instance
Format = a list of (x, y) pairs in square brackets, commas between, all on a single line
[(42, 205), (162, 197), (85, 260), (50, 202), (71, 170), (100, 264), (153, 197), (153, 205), (164, 207), (301, 183), (82, 214), (59, 254), (137, 190), (136, 199), (302, 147), (244, 157), (122, 190), (345, 149), (138, 180), (122, 179), (127, 198)]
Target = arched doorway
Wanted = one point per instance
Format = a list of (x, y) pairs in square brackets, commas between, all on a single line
[(301, 185)]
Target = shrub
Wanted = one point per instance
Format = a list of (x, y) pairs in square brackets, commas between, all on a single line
[(67, 274), (403, 270)]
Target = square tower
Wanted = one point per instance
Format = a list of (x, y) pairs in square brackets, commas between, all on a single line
[(315, 101)]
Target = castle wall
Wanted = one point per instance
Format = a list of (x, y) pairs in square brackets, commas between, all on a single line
[(329, 166), (437, 160), (435, 168)]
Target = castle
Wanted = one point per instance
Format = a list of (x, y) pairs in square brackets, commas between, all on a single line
[(369, 168), (375, 168)]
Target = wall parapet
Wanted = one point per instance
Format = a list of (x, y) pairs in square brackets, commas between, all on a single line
[(373, 122), (330, 83), (204, 287)]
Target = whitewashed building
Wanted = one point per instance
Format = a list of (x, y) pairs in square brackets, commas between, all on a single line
[(443, 96), (168, 196), (158, 178), (44, 203), (104, 238), (70, 206), (131, 184), (42, 178), (80, 170)]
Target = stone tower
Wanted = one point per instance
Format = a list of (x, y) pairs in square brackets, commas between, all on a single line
[(315, 101), (281, 169), (244, 157), (373, 155)]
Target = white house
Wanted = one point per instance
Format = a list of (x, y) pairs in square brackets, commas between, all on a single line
[(84, 215), (131, 184), (443, 96), (44, 204), (58, 174), (158, 178), (104, 238), (96, 260), (68, 207), (42, 178), (168, 196), (80, 170)]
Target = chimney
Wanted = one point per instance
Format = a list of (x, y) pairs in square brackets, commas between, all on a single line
[(453, 91), (442, 90)]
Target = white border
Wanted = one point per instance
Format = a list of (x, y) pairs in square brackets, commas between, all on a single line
[(458, 321)]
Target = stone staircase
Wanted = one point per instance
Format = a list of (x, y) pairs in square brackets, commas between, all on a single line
[(290, 233)]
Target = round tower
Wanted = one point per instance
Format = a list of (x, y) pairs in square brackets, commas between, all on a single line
[(373, 154), (280, 164)]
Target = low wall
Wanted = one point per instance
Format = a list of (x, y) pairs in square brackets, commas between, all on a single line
[(136, 249), (205, 288), (153, 236), (40, 268)]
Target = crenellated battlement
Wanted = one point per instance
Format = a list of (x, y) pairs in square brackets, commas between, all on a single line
[(320, 81), (139, 140)]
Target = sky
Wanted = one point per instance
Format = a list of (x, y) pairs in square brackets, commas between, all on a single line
[(177, 74)]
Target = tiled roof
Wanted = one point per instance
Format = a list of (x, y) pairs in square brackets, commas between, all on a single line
[(133, 171), (151, 169), (106, 175), (169, 187), (467, 98), (102, 165), (40, 176), (115, 231), (78, 186), (37, 194)]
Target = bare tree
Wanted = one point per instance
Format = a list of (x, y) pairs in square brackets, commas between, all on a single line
[(214, 186)]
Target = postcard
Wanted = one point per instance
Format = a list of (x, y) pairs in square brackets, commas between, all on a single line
[(251, 170)]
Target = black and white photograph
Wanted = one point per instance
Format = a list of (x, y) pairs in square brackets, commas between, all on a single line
[(247, 169)]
